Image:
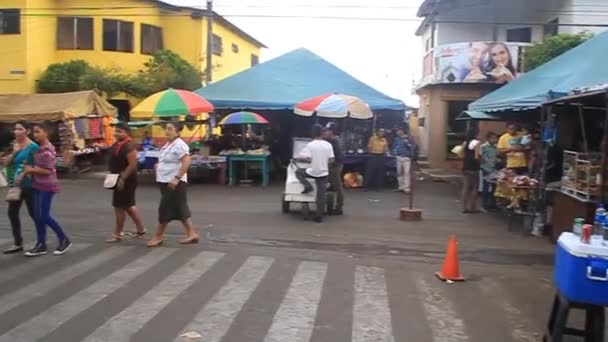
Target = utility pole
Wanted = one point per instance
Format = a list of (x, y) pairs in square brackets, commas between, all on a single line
[(209, 56)]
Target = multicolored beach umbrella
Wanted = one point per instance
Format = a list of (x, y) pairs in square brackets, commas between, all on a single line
[(172, 102), (334, 106), (243, 118)]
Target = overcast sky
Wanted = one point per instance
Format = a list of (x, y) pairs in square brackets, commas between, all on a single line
[(386, 54)]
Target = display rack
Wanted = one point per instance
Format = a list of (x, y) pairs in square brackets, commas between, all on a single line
[(582, 174)]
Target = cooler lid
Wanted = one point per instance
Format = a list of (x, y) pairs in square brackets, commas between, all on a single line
[(573, 245)]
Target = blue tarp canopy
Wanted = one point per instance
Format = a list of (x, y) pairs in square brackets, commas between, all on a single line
[(282, 82), (582, 66)]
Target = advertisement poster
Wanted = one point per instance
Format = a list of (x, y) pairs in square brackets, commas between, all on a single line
[(479, 62)]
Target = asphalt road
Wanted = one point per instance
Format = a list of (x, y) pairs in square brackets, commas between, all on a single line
[(259, 275)]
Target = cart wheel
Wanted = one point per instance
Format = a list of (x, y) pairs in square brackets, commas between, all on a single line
[(284, 206)]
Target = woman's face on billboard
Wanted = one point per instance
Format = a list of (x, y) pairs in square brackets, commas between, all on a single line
[(500, 55)]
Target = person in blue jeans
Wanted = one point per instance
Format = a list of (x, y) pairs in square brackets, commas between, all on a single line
[(489, 155), (22, 155), (45, 185)]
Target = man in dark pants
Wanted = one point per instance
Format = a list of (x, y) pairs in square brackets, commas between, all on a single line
[(319, 154), (335, 169), (376, 150)]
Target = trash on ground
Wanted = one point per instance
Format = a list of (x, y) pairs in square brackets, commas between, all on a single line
[(191, 335)]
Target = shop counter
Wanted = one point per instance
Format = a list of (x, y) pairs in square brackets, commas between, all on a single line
[(566, 208)]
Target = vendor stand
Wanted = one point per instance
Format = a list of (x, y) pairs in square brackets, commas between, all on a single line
[(355, 125), (584, 170), (244, 157), (81, 121)]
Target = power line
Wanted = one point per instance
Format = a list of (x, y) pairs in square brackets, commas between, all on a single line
[(327, 17)]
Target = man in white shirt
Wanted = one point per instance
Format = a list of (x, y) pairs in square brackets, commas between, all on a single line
[(319, 153)]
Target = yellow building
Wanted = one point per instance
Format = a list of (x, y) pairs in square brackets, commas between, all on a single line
[(112, 33)]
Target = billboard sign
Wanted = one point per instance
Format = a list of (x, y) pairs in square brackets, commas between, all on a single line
[(477, 62)]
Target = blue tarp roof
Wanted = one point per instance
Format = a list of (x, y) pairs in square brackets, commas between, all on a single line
[(582, 66), (282, 82)]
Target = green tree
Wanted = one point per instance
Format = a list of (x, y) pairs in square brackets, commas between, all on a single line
[(552, 47), (62, 77), (166, 69), (111, 82)]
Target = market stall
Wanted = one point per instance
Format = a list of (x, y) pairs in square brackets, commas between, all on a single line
[(82, 123), (184, 106), (252, 152), (578, 125)]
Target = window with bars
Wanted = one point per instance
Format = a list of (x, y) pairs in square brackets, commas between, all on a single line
[(75, 33), (255, 59), (151, 39), (10, 21), (217, 45), (117, 35)]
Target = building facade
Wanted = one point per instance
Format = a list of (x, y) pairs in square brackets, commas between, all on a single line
[(472, 47), (112, 33)]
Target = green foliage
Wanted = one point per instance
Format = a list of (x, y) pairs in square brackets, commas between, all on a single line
[(110, 82), (165, 69), (552, 47), (63, 77)]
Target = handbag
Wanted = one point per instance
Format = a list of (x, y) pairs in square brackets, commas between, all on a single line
[(111, 181), (3, 180), (13, 194)]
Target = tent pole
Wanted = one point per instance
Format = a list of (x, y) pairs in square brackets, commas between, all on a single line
[(583, 129), (604, 150)]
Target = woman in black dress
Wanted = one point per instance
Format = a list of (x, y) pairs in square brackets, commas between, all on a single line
[(123, 161)]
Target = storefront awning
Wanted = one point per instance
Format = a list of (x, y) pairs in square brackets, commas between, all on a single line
[(582, 66), (477, 115), (53, 107)]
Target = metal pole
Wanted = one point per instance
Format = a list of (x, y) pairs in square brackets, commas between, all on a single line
[(604, 152), (209, 56)]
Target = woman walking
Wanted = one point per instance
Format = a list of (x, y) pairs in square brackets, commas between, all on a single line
[(21, 156), (45, 186), (123, 161), (171, 174), (470, 169)]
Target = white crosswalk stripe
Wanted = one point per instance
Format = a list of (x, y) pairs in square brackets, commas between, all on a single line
[(40, 288), (50, 319), (445, 324), (216, 317), (133, 318), (234, 296), (371, 316), (31, 265), (295, 318)]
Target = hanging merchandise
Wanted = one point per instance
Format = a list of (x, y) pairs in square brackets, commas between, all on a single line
[(79, 125), (95, 128), (66, 135)]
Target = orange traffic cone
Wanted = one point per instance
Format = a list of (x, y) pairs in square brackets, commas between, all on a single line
[(451, 270)]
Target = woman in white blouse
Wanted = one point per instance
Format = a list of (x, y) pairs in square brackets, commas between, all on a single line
[(172, 175)]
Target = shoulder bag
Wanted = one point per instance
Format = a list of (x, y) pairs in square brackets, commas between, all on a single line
[(111, 181)]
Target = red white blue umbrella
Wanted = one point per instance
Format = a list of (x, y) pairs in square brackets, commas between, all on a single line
[(334, 106)]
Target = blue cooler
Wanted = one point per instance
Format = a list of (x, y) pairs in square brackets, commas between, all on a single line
[(581, 270)]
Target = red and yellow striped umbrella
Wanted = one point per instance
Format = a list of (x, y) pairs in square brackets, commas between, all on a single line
[(172, 102)]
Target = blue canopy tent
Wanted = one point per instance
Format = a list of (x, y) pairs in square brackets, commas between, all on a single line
[(288, 79), (582, 66)]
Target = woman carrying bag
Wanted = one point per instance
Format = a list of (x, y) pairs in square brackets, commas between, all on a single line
[(20, 187)]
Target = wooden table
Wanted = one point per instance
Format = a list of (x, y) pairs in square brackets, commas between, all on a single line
[(262, 159)]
